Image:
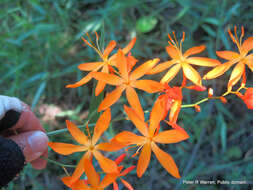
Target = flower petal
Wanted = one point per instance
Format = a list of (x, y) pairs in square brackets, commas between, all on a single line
[(101, 125), (236, 75), (65, 148), (76, 133), (250, 64), (111, 98), (228, 55), (129, 138), (174, 111), (143, 69), (194, 50), (156, 116), (191, 74), (90, 66), (127, 185), (217, 71), (134, 101), (170, 136), (122, 64), (166, 161), (161, 67), (248, 44), (149, 86), (79, 184), (144, 160), (107, 78), (101, 85), (92, 175), (107, 165), (171, 73), (203, 61), (173, 52), (83, 81), (129, 46), (110, 146), (109, 49), (107, 180), (137, 120)]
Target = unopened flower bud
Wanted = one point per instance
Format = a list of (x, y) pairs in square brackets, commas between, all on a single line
[(210, 92), (223, 100), (197, 108), (248, 98)]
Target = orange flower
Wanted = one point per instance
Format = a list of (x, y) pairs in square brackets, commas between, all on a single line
[(104, 66), (247, 97), (128, 81), (88, 145), (180, 60), (93, 179), (241, 58), (149, 139), (121, 173)]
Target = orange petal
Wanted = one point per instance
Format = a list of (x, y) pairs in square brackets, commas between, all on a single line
[(174, 111), (250, 64), (170, 136), (156, 116), (173, 52), (191, 74), (101, 125), (144, 159), (78, 185), (166, 161), (111, 98), (76, 133), (90, 66), (107, 165), (171, 73), (217, 71), (143, 69), (228, 55), (107, 180), (107, 78), (79, 168), (137, 120), (109, 49), (236, 75), (194, 50), (127, 185), (134, 101), (248, 44), (129, 46), (110, 146), (65, 148), (83, 81), (161, 67), (149, 86), (203, 61), (122, 64), (129, 138), (92, 175), (101, 85)]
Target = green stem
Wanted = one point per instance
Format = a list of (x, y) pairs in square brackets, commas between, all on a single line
[(57, 163)]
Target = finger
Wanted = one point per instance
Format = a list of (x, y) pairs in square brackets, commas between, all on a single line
[(33, 144), (40, 163), (28, 121)]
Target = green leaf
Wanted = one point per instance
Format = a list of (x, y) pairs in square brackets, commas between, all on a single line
[(146, 24)]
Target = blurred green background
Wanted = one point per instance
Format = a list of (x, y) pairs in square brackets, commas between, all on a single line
[(41, 48)]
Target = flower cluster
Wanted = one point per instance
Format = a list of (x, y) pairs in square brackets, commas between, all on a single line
[(122, 71)]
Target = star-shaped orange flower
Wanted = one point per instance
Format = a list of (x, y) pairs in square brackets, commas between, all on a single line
[(88, 145), (128, 81), (182, 60), (242, 58), (149, 139), (103, 66)]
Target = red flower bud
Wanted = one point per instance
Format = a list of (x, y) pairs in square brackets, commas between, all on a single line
[(197, 108), (223, 100), (248, 98)]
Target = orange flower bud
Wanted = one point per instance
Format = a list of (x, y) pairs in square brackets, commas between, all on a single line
[(197, 108), (223, 100), (197, 88), (210, 92)]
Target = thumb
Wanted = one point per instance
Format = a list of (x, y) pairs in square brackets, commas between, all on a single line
[(32, 143)]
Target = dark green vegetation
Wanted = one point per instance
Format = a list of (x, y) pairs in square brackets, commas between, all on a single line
[(41, 48)]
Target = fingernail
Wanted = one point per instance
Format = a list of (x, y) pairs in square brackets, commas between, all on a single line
[(38, 142)]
